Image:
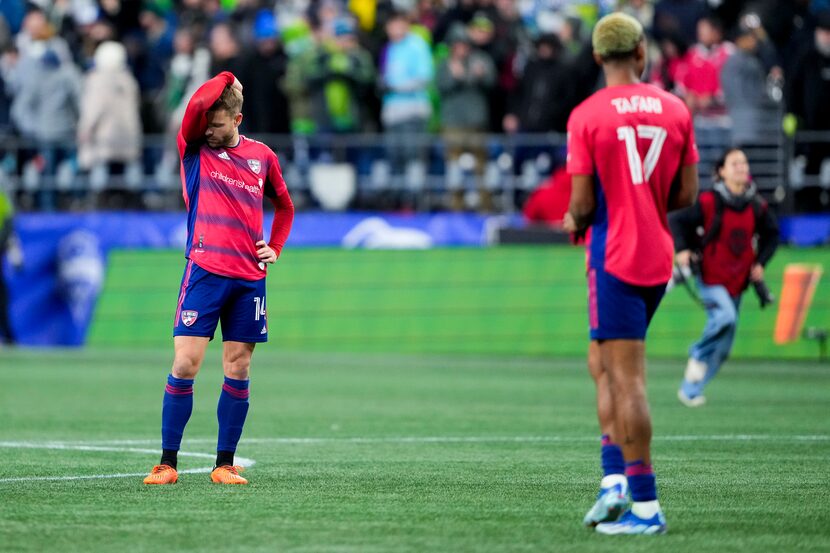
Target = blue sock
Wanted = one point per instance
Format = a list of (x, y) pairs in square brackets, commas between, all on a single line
[(641, 481), (175, 411), (231, 412), (612, 457)]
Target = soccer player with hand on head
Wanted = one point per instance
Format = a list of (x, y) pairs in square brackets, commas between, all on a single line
[(632, 158), (225, 177)]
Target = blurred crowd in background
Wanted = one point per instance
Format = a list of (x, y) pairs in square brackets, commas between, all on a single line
[(83, 83)]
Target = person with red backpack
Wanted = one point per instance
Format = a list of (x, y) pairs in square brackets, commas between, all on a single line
[(726, 238)]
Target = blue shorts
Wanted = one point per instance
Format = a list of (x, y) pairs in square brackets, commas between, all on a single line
[(206, 298), (618, 310)]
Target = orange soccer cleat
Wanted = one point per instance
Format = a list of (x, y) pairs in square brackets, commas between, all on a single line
[(162, 474), (227, 474)]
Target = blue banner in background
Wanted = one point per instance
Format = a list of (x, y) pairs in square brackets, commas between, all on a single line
[(806, 230), (53, 295)]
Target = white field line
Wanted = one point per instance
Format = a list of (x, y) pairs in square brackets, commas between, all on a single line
[(476, 439), (76, 446), (118, 446)]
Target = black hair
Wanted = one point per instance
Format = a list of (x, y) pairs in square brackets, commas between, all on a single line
[(397, 13), (551, 40), (715, 21), (721, 161), (619, 56)]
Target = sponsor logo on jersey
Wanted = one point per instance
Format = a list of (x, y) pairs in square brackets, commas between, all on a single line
[(226, 179), (236, 182), (260, 183), (224, 155), (255, 165), (189, 317)]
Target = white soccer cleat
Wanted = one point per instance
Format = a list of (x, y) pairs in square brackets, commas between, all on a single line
[(631, 524), (695, 401), (610, 504)]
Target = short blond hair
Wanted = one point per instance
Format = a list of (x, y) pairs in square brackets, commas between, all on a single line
[(230, 101), (616, 36)]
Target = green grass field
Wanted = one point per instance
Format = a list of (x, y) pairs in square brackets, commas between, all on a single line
[(401, 452), (409, 401)]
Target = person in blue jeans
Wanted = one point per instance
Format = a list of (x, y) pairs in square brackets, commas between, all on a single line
[(726, 238)]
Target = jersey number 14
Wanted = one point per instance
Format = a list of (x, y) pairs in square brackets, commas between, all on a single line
[(259, 307), (642, 167)]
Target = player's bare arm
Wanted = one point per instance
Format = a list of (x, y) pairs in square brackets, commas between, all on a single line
[(583, 203), (685, 194)]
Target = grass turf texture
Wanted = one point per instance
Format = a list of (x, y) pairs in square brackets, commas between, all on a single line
[(512, 300), (766, 491)]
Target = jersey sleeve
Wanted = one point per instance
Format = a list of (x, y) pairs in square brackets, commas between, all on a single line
[(579, 161), (277, 192), (194, 122)]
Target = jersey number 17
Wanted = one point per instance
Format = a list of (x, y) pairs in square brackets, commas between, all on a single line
[(645, 166)]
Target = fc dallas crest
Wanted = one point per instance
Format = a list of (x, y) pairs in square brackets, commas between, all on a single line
[(189, 317), (254, 165)]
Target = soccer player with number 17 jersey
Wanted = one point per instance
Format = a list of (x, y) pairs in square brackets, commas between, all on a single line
[(225, 178), (632, 158)]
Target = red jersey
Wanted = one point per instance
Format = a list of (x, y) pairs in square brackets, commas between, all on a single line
[(705, 65), (632, 139), (223, 191), (729, 256)]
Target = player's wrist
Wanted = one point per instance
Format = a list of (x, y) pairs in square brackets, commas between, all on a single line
[(581, 221)]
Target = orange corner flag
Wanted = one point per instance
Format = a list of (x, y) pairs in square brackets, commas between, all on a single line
[(800, 283)]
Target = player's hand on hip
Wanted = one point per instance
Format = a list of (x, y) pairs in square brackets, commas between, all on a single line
[(265, 253)]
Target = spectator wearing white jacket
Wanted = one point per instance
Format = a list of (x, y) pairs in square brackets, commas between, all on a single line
[(109, 130)]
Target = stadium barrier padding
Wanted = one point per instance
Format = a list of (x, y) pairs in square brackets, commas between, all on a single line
[(67, 265), (516, 300)]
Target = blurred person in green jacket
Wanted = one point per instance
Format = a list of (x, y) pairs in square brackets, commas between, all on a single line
[(340, 77)]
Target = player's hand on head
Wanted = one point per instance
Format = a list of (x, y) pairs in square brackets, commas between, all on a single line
[(265, 253), (236, 84)]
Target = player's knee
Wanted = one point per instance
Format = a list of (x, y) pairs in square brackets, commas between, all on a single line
[(236, 362), (238, 369), (185, 367), (629, 389), (595, 364)]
